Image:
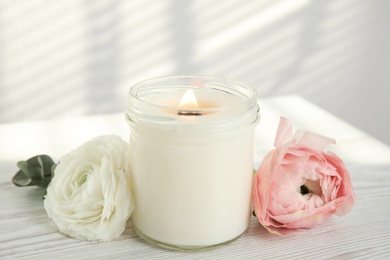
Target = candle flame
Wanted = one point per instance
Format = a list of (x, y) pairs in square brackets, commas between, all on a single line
[(188, 100)]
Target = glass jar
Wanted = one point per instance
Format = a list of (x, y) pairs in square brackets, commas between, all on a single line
[(192, 161)]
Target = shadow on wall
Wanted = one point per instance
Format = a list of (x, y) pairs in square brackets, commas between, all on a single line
[(72, 58)]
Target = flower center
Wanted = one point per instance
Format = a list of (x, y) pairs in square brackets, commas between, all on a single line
[(311, 186), (304, 190), (83, 179)]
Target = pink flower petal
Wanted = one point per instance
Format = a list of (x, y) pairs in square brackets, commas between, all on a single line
[(312, 141), (284, 132)]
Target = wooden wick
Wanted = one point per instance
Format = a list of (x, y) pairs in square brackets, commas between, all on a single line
[(189, 113)]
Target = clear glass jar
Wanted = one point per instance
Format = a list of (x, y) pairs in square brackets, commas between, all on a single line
[(192, 166)]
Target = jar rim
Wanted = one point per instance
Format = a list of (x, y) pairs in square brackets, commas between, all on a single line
[(250, 97), (241, 111)]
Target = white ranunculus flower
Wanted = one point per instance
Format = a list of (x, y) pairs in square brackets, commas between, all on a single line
[(89, 197)]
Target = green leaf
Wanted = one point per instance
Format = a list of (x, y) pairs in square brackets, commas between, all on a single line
[(22, 178), (36, 171)]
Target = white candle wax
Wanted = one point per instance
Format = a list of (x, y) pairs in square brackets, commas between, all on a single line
[(192, 184)]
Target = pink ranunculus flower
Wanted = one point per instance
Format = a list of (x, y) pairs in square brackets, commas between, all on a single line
[(298, 184)]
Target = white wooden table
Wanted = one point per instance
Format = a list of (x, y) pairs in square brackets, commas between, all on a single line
[(26, 231)]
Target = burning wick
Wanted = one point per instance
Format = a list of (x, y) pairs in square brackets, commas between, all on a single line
[(189, 113), (188, 101)]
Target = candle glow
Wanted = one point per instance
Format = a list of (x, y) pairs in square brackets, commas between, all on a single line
[(188, 100)]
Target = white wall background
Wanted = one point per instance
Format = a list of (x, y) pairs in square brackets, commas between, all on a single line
[(73, 57)]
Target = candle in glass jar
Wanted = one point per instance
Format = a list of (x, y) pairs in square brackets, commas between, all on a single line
[(191, 144)]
